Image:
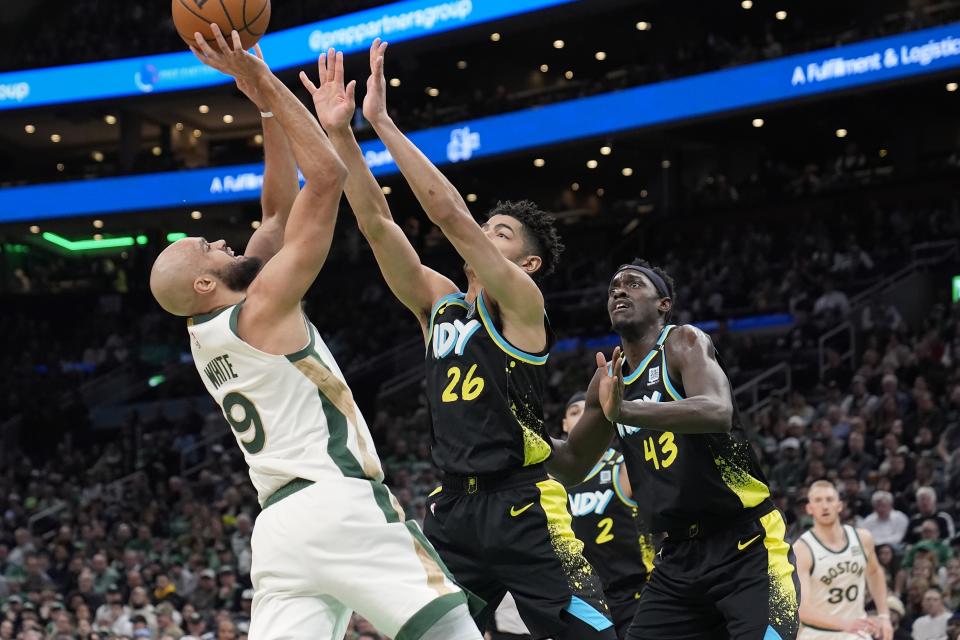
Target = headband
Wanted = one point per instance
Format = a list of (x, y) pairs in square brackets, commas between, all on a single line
[(657, 281), (577, 397)]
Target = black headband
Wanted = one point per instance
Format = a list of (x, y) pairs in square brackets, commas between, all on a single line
[(657, 281), (577, 397)]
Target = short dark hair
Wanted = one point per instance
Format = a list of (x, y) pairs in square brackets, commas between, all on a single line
[(541, 232)]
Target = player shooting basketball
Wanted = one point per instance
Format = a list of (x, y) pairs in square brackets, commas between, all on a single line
[(307, 445)]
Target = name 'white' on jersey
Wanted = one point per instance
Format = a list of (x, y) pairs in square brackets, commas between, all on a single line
[(293, 416), (837, 577)]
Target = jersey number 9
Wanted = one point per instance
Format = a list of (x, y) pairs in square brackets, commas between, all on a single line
[(236, 403)]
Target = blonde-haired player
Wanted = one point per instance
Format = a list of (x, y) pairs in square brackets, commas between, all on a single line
[(835, 562)]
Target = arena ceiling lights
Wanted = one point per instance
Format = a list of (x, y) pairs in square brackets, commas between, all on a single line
[(397, 22), (784, 79)]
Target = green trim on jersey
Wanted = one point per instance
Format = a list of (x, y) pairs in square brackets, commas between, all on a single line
[(234, 316), (813, 556), (846, 537), (381, 496), (287, 490), (307, 350), (423, 620), (204, 317), (859, 541)]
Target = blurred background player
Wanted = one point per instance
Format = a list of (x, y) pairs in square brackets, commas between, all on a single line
[(724, 566), (498, 521), (836, 564), (605, 519), (285, 398)]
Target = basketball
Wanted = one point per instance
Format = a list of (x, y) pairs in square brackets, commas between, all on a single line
[(248, 17)]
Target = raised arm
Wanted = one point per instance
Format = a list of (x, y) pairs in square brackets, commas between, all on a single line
[(280, 181), (517, 295), (273, 299), (708, 407), (415, 285), (573, 458)]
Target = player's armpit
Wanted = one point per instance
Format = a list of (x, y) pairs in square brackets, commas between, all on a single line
[(416, 286)]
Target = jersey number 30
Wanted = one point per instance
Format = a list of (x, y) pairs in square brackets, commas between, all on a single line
[(471, 388), (241, 414), (837, 595)]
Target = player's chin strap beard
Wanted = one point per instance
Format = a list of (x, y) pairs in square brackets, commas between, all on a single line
[(241, 274)]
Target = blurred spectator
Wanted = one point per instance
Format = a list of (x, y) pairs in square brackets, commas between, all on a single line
[(790, 471), (927, 509), (888, 525), (933, 624)]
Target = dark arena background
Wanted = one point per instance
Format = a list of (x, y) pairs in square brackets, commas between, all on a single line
[(795, 166)]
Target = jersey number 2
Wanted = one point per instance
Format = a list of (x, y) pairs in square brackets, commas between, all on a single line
[(605, 526), (234, 403), (471, 386), (668, 450)]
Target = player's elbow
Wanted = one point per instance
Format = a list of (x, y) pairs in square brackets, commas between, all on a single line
[(373, 227), (446, 208), (564, 468), (331, 175), (721, 416)]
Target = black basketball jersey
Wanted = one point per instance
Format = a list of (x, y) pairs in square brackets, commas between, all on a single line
[(485, 395), (686, 478), (605, 520)]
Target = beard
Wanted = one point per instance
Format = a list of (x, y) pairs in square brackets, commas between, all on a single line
[(239, 275)]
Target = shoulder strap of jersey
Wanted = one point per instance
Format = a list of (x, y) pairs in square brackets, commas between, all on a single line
[(618, 485), (808, 539), (854, 537), (636, 373), (452, 298), (672, 390), (490, 325)]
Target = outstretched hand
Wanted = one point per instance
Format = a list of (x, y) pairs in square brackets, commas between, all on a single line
[(611, 384), (249, 89), (233, 61), (375, 102), (334, 102)]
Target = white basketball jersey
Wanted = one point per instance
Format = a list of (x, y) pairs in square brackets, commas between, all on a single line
[(837, 577), (293, 416)]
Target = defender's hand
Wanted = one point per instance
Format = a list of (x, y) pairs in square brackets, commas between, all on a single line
[(375, 102), (611, 384), (334, 103)]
